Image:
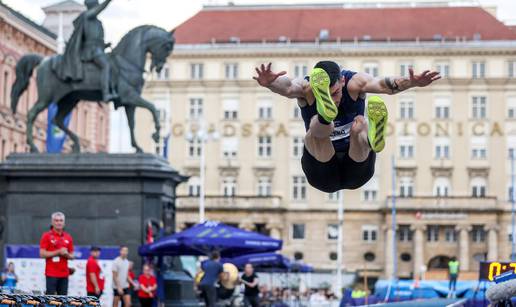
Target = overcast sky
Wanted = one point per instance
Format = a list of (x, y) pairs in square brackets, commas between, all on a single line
[(122, 15)]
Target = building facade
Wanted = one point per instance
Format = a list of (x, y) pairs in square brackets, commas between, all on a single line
[(448, 150), (19, 36)]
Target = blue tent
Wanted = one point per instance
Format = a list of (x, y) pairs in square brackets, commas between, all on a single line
[(203, 238), (269, 262)]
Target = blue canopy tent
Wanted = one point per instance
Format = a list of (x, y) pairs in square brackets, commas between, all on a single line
[(263, 262), (203, 238)]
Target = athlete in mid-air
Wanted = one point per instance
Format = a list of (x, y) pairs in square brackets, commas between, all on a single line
[(340, 146)]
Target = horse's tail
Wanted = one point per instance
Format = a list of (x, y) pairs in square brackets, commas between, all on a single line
[(24, 69)]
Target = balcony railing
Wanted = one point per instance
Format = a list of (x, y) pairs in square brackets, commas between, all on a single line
[(445, 203), (232, 202)]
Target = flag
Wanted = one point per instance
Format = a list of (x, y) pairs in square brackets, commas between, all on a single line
[(150, 234), (165, 146), (55, 136)]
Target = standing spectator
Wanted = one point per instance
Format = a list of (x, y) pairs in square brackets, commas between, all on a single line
[(56, 246), (148, 286), (213, 271), (94, 276), (9, 278), (133, 283), (453, 272), (121, 279), (250, 280)]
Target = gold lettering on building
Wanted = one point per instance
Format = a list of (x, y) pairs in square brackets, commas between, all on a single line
[(263, 129), (460, 131), (442, 130), (177, 130), (478, 129), (211, 129), (282, 130), (228, 130), (247, 130), (423, 129), (496, 129)]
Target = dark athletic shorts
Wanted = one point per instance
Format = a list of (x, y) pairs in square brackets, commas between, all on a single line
[(340, 173)]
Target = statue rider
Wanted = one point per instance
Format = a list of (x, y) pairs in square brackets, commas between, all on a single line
[(87, 45)]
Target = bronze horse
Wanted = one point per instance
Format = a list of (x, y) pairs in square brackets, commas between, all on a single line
[(128, 65)]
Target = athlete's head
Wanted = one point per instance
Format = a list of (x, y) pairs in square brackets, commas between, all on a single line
[(336, 79), (91, 4)]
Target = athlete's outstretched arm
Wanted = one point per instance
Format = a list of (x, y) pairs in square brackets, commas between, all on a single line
[(279, 83), (365, 83)]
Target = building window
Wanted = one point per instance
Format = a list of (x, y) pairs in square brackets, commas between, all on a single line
[(478, 148), (2, 150), (511, 69), (370, 190), (264, 146), (509, 193), (196, 71), (442, 108), (229, 186), (297, 146), (164, 74), (404, 69), (441, 187), (194, 148), (231, 70), (511, 147), (478, 187), (369, 233), (404, 233), (442, 148), (406, 187), (230, 107), (296, 114), (300, 70), (196, 108), (406, 147), (265, 110), (230, 147), (332, 232), (478, 70), (194, 186), (450, 234), (432, 233), (406, 109), (264, 186), (298, 231), (371, 68), (443, 68), (478, 234), (478, 107), (511, 107), (335, 196), (298, 188)]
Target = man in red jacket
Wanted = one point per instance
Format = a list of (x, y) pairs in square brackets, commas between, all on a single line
[(56, 246), (94, 276)]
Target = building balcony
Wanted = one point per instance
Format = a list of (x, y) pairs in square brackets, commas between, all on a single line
[(259, 203), (454, 203)]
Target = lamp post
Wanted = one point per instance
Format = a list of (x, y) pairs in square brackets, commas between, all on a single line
[(202, 135)]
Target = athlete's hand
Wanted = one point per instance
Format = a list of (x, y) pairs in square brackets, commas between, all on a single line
[(266, 76), (424, 78)]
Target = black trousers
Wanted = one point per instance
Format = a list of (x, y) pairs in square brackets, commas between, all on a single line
[(209, 294), (146, 302), (253, 301), (453, 282), (57, 286), (94, 294)]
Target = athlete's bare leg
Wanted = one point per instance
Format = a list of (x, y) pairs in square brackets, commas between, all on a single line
[(317, 140), (358, 143)]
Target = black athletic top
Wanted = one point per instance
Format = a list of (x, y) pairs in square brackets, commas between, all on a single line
[(348, 110)]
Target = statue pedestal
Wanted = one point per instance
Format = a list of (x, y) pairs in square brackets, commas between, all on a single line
[(108, 199)]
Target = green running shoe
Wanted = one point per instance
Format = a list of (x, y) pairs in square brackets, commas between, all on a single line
[(320, 84), (377, 116)]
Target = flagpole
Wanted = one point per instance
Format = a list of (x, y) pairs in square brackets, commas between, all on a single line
[(340, 215), (513, 193), (393, 222)]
